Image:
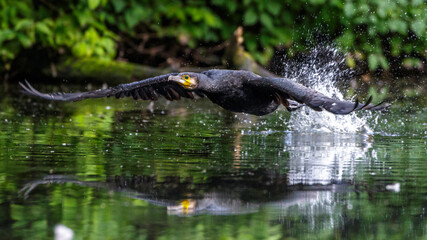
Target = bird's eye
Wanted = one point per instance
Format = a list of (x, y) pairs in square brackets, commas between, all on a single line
[(186, 77)]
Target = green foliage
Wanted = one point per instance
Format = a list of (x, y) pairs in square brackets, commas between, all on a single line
[(381, 29), (68, 26), (377, 30)]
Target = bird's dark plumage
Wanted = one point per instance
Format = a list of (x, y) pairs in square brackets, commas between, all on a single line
[(238, 91)]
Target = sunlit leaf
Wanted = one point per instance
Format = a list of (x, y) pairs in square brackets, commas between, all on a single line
[(93, 3), (25, 40), (398, 25), (372, 61), (24, 24), (81, 49), (383, 62), (351, 62), (99, 51), (231, 6), (349, 9), (419, 27), (92, 35), (118, 5), (346, 41), (6, 34), (107, 43), (416, 2), (274, 8), (43, 28), (135, 15), (266, 21), (250, 17)]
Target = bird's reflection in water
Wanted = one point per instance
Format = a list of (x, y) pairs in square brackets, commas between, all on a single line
[(218, 196)]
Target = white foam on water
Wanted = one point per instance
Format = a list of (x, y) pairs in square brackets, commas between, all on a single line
[(322, 75), (62, 232)]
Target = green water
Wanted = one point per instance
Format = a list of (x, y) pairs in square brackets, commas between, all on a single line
[(110, 169)]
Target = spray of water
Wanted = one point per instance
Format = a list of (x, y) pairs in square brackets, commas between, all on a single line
[(322, 70)]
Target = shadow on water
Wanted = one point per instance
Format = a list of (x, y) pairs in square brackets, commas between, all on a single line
[(216, 196)]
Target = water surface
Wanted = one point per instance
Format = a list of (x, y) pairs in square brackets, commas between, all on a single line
[(110, 169)]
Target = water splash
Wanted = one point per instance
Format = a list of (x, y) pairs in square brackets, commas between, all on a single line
[(322, 70)]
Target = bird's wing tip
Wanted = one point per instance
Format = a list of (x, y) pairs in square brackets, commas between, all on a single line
[(26, 87), (30, 90)]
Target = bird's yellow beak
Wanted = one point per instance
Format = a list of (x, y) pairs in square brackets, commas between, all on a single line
[(184, 80), (187, 206)]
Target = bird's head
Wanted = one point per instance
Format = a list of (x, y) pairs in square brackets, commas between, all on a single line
[(186, 79)]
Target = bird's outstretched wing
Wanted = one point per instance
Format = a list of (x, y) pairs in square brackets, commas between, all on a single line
[(147, 89), (287, 91)]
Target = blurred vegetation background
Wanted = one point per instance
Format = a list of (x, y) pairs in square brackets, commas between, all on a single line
[(377, 35)]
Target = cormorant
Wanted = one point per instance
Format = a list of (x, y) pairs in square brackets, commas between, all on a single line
[(234, 90)]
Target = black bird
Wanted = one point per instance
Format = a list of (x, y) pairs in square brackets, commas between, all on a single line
[(234, 90)]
